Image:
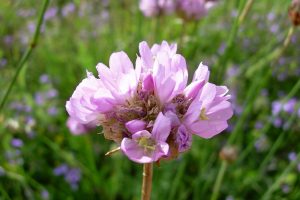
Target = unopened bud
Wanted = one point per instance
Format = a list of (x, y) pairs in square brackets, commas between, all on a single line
[(228, 154), (294, 12)]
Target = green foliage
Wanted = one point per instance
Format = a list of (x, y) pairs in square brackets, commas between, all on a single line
[(72, 43)]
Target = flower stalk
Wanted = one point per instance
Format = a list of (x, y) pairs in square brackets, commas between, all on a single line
[(147, 181)]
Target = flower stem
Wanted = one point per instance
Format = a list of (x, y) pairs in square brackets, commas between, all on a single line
[(219, 180), (27, 53), (245, 11), (147, 181)]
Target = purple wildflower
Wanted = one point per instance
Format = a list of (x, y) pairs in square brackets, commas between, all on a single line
[(45, 194), (8, 39), (285, 188), (31, 27), (44, 78), (276, 107), (259, 125), (290, 106), (50, 13), (292, 156), (152, 8), (73, 176), (274, 28), (68, 9), (193, 9), (52, 111), (3, 62), (40, 98), (52, 93), (61, 170), (271, 16), (17, 143)]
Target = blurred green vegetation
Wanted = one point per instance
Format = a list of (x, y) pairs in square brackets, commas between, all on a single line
[(76, 35)]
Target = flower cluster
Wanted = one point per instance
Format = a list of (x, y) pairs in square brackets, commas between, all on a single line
[(149, 110), (186, 9)]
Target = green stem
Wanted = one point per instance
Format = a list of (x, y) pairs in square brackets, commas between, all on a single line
[(245, 11), (219, 180), (27, 53)]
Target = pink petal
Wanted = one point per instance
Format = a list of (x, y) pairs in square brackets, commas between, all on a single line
[(142, 133), (146, 54), (161, 128), (202, 73), (162, 149), (208, 129), (193, 112), (181, 74), (136, 125), (120, 63), (192, 90), (148, 84), (134, 152), (173, 117), (208, 94), (222, 111)]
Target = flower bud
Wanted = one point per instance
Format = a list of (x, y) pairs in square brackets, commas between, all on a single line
[(228, 153), (294, 12)]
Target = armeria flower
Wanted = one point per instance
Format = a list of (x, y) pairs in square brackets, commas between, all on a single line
[(193, 9), (150, 111), (152, 8)]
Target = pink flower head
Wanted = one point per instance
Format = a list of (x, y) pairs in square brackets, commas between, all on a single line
[(193, 9), (146, 147), (152, 8), (150, 111)]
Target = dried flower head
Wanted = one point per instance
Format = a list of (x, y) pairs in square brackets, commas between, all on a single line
[(294, 12), (228, 153), (149, 110)]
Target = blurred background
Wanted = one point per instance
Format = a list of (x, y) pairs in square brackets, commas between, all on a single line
[(242, 41)]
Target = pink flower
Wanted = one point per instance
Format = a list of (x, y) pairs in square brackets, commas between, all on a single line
[(150, 111), (146, 147), (193, 9), (152, 8)]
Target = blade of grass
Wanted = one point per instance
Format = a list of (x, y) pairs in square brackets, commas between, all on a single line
[(27, 53)]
